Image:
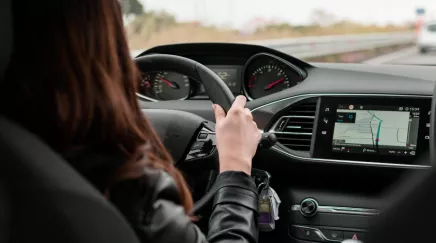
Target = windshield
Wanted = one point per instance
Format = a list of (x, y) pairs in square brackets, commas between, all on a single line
[(312, 30)]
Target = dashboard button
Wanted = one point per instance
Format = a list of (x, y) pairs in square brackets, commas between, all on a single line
[(202, 136), (304, 233), (333, 235), (197, 146), (354, 236), (327, 110)]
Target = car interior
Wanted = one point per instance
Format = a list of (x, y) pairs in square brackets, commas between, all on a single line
[(334, 180)]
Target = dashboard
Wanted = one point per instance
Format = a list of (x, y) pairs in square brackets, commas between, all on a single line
[(347, 133), (337, 113)]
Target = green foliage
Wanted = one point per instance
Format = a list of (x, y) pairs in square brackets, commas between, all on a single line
[(149, 23), (132, 7)]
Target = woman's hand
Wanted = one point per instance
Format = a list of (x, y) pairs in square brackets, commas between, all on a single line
[(237, 136)]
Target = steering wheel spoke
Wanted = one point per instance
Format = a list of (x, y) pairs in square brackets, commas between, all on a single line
[(203, 146)]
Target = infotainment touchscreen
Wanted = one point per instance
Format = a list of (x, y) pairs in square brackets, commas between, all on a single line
[(376, 129)]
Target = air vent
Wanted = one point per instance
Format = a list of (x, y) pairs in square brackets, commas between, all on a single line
[(294, 129)]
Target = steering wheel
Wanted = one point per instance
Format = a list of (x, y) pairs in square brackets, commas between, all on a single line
[(186, 135), (178, 129)]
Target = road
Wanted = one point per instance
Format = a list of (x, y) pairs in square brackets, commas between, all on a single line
[(409, 56)]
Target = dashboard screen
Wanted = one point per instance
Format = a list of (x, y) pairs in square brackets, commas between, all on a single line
[(230, 75), (375, 129)]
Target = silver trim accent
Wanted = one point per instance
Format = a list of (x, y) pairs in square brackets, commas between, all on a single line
[(313, 213), (205, 130), (348, 162), (318, 232), (146, 97), (341, 210), (351, 162), (294, 133), (289, 117)]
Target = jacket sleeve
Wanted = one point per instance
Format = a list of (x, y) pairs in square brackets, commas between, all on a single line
[(235, 209), (163, 219)]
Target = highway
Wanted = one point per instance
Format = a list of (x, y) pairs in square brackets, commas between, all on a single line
[(408, 56)]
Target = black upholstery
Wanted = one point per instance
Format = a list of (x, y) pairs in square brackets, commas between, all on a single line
[(5, 34), (49, 201), (409, 217), (42, 199), (5, 208), (5, 52)]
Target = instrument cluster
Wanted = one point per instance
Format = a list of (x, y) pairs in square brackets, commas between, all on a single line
[(262, 74)]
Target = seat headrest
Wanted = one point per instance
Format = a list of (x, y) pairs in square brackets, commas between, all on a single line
[(6, 35)]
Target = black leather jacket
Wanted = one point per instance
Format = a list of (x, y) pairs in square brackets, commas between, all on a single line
[(151, 204)]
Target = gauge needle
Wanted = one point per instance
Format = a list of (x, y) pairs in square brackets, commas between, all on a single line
[(171, 84), (269, 86)]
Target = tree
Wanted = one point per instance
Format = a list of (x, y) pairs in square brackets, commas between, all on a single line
[(132, 7), (321, 17)]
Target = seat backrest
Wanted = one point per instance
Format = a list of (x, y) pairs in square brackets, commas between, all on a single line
[(410, 215), (49, 201), (4, 209)]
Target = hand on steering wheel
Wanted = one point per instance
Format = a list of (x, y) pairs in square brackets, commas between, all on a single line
[(237, 136)]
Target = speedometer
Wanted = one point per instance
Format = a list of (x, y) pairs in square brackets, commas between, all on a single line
[(266, 74), (267, 79), (171, 86)]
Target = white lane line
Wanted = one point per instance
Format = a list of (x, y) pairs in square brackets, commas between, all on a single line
[(392, 56)]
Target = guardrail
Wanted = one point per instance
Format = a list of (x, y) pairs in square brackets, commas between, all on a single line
[(316, 46)]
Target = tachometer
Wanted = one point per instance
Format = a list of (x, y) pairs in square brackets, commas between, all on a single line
[(266, 80), (265, 74), (171, 86)]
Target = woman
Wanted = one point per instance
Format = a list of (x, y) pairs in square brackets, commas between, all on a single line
[(74, 86)]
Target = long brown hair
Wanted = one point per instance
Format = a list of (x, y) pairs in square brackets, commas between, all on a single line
[(72, 82)]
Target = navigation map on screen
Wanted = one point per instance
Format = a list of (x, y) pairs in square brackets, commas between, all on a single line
[(376, 128)]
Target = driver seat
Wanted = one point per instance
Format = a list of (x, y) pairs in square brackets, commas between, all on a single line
[(42, 198)]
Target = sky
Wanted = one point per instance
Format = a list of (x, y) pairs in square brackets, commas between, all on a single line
[(238, 13)]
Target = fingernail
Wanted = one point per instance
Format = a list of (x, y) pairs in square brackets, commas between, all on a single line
[(213, 106)]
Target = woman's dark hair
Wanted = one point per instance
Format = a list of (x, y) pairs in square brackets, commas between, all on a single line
[(73, 83)]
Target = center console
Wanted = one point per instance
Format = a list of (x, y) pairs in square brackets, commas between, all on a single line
[(339, 141), (384, 130)]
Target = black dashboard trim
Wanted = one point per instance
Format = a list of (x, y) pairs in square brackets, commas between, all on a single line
[(349, 162), (339, 94), (211, 49)]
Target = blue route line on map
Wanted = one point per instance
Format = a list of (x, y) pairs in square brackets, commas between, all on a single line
[(377, 137)]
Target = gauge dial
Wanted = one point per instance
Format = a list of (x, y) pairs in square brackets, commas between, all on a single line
[(171, 86), (145, 85), (267, 79)]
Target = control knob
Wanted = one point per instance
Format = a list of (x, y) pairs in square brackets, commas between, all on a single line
[(308, 207)]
